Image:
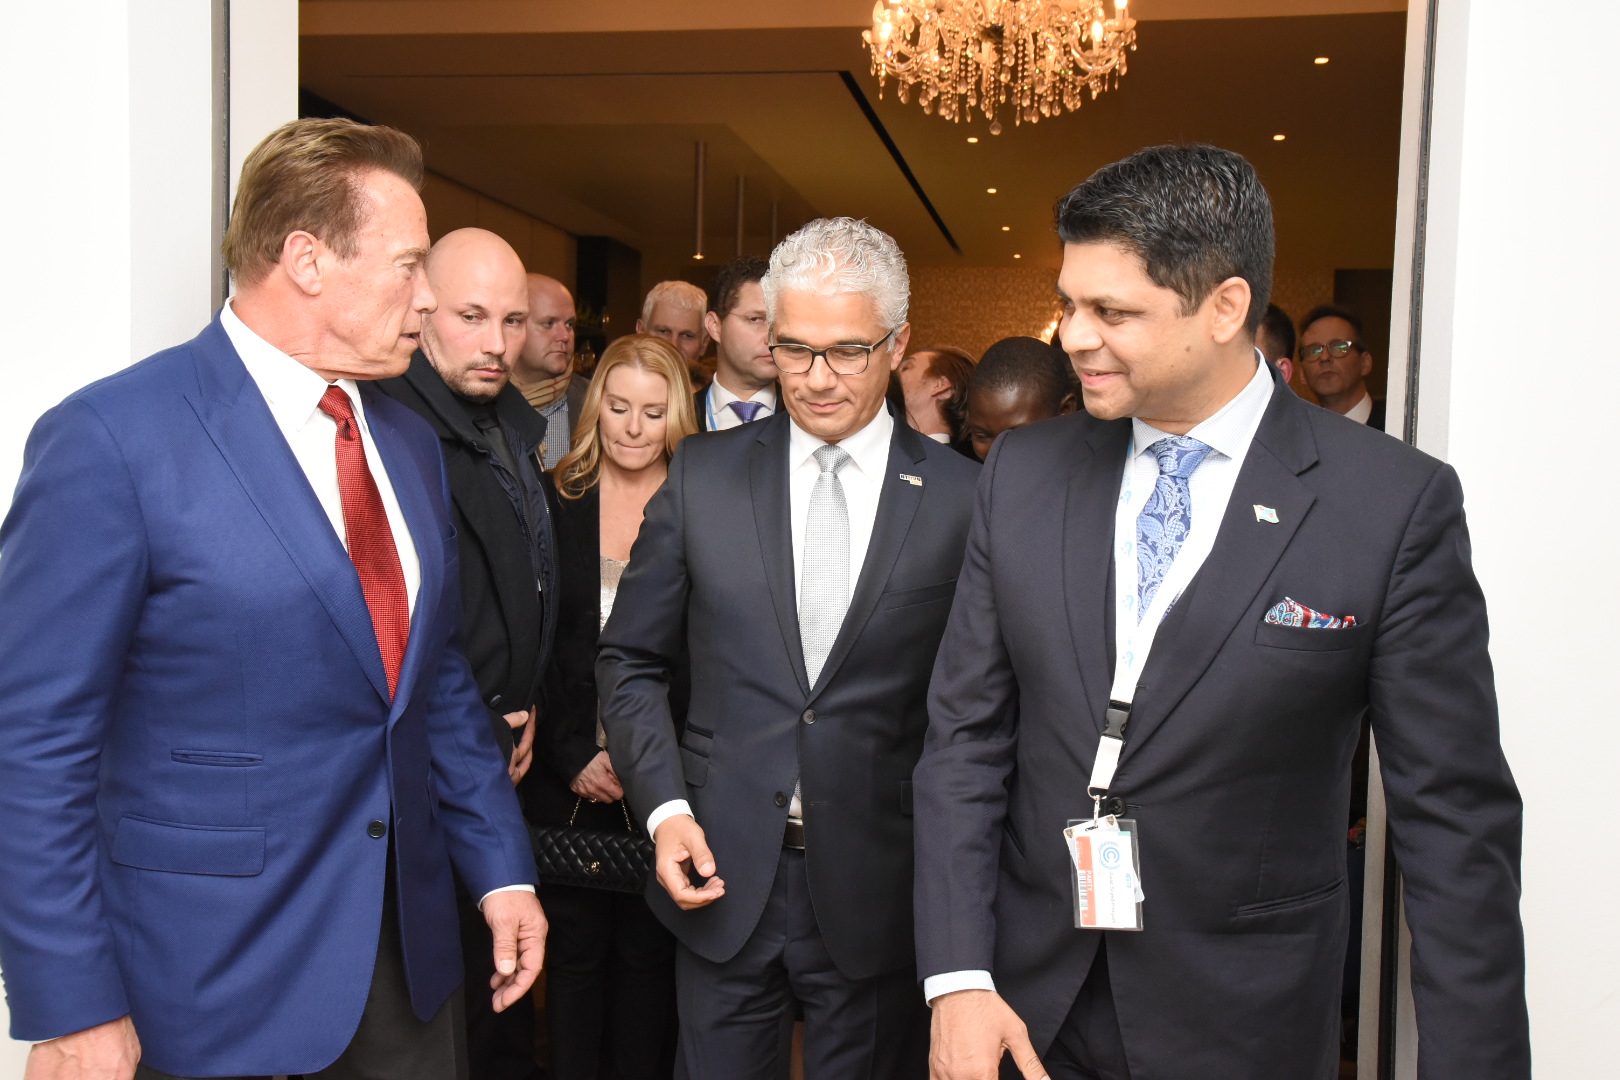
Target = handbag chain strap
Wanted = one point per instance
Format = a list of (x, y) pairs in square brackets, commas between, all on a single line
[(580, 800)]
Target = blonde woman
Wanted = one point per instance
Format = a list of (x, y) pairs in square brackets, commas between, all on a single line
[(610, 991)]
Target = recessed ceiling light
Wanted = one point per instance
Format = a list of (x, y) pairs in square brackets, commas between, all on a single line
[(1321, 59), (973, 138), (989, 191), (1006, 228), (698, 257), (1018, 256), (1278, 138)]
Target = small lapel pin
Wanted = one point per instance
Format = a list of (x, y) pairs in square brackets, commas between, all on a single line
[(1265, 513), (914, 481)]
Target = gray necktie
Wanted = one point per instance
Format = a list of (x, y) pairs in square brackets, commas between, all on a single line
[(824, 580)]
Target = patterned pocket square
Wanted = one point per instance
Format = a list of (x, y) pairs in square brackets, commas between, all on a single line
[(1293, 613)]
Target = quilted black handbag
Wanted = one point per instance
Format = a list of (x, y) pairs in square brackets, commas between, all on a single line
[(593, 858)]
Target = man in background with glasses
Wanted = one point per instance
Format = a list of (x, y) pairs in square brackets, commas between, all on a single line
[(782, 817), (1336, 361)]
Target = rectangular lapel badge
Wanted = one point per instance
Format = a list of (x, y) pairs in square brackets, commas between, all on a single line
[(914, 481), (1265, 513)]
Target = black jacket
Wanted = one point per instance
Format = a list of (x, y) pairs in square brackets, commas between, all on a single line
[(565, 741), (506, 627)]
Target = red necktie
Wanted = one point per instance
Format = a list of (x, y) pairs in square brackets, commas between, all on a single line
[(371, 541)]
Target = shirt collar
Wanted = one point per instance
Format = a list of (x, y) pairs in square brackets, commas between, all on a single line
[(292, 390), (1232, 427), (1361, 411), (721, 397), (868, 447)]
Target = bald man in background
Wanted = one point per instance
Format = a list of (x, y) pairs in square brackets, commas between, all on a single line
[(459, 381), (544, 369)]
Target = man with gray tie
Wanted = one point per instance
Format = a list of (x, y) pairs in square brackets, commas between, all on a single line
[(810, 658)]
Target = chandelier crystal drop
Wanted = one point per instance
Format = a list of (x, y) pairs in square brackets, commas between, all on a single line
[(1038, 57)]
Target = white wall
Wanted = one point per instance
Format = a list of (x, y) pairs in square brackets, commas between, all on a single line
[(106, 200), (1518, 336)]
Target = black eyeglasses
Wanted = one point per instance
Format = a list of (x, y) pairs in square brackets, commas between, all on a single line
[(1339, 349), (841, 359)]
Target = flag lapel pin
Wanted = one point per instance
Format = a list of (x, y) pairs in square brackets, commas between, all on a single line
[(1265, 513)]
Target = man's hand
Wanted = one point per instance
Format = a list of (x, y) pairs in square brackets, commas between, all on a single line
[(523, 746), (107, 1051), (597, 781), (681, 849), (972, 1029), (520, 943)]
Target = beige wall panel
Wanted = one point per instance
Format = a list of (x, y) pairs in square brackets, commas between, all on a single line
[(449, 205)]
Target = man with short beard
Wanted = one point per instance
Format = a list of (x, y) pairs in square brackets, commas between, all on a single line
[(544, 368), (460, 383)]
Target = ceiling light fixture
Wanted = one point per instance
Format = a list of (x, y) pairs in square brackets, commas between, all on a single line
[(1322, 59), (989, 191), (973, 138), (1018, 256), (1278, 138), (1006, 228), (1041, 57)]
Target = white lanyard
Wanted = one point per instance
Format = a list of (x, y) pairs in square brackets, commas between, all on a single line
[(1133, 638)]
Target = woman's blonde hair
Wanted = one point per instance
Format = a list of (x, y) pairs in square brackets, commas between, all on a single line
[(581, 468)]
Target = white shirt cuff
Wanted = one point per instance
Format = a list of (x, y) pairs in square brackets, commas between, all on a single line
[(665, 812), (951, 981), (504, 888)]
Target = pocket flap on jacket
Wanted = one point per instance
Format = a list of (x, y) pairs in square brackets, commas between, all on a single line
[(226, 851)]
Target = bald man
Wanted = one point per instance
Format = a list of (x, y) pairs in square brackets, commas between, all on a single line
[(544, 369), (460, 383)]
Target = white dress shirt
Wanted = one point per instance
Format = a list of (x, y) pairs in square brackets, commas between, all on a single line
[(941, 437), (294, 394), (1361, 411), (862, 480), (1229, 431), (718, 402)]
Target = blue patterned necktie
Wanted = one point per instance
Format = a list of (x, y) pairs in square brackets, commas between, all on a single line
[(1166, 517), (747, 411)]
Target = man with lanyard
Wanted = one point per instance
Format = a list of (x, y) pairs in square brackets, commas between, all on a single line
[(1175, 609), (744, 386)]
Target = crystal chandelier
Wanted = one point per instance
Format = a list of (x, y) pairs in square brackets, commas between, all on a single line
[(1041, 57)]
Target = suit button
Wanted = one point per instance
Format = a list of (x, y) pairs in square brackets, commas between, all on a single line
[(781, 799), (1114, 806), (809, 716), (495, 701), (376, 830)]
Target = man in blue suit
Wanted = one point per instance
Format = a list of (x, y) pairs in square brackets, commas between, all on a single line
[(241, 751)]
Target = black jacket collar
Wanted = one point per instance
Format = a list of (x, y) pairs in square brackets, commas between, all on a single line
[(450, 420)]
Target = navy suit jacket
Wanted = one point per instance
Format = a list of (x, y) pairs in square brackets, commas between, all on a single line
[(711, 576), (1237, 756), (196, 732)]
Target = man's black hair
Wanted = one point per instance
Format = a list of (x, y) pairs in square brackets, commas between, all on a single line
[(1334, 311), (1025, 365), (1194, 215), (732, 277), (1279, 328)]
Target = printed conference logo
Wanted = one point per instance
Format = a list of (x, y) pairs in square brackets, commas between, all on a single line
[(1109, 855)]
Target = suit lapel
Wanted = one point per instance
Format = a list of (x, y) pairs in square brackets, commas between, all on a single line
[(1245, 552), (235, 415), (768, 488), (897, 505), (1088, 556), (409, 481)]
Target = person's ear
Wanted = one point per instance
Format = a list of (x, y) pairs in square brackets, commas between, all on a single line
[(1366, 363), (303, 257), (897, 351), (1228, 308), (711, 325), (1069, 404), (641, 327)]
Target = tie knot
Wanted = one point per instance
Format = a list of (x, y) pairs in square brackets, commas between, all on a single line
[(831, 458), (746, 411), (336, 404), (1179, 455)]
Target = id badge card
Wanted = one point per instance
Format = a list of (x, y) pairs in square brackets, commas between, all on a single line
[(1105, 870)]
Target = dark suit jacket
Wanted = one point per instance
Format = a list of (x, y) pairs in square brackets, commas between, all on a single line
[(1237, 757), (506, 626), (196, 734), (1376, 418), (715, 556), (565, 741)]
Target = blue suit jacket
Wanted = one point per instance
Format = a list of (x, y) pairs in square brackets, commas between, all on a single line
[(196, 733)]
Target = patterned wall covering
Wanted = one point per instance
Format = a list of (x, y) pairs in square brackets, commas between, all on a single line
[(975, 307)]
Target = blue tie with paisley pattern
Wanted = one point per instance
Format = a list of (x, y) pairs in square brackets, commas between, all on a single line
[(747, 411), (1166, 517)]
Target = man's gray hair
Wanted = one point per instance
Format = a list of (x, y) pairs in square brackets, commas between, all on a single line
[(841, 255)]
